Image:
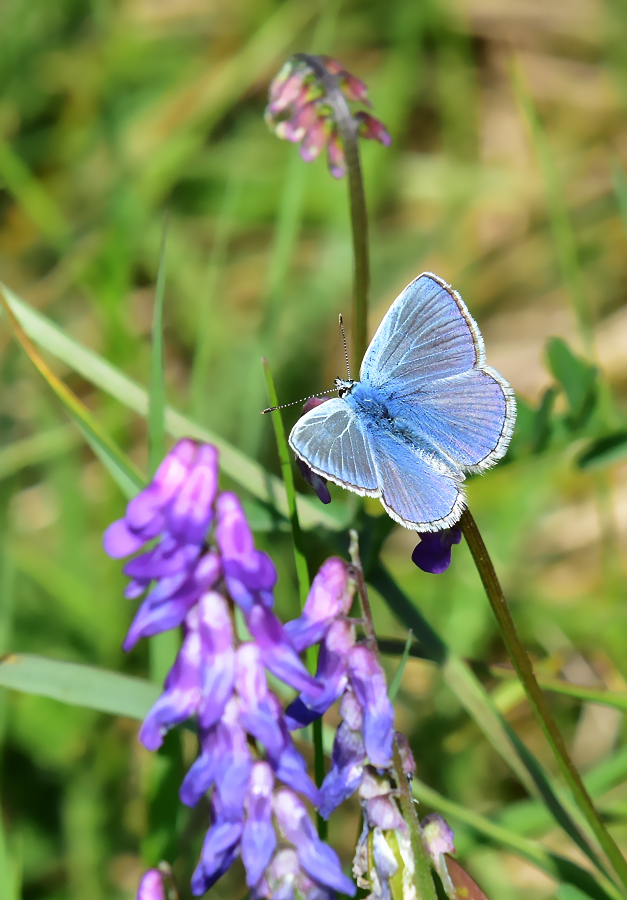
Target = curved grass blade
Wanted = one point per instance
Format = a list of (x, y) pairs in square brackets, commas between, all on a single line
[(156, 397), (588, 695), (243, 470), (479, 705), (559, 217), (555, 865), (127, 476), (36, 449), (395, 684), (302, 572), (87, 686)]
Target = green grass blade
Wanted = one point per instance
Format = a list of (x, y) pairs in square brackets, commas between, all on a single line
[(559, 217), (87, 686), (32, 197), (36, 449), (156, 397), (395, 684), (124, 472), (243, 470), (302, 572), (217, 258), (588, 695), (479, 705), (620, 188), (555, 865)]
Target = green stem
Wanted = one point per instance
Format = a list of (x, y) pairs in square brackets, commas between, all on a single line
[(425, 889), (156, 401), (538, 701), (302, 571), (347, 128)]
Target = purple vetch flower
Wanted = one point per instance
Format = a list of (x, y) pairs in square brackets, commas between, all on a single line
[(258, 838), (439, 839), (330, 596), (249, 573), (433, 553), (385, 832), (220, 848), (277, 650), (300, 108), (332, 674), (177, 508), (151, 886), (368, 681), (202, 565), (182, 694), (178, 501), (317, 859)]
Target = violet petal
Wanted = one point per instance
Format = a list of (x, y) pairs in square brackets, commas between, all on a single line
[(368, 681)]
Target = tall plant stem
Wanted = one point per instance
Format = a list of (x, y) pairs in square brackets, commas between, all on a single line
[(347, 127), (539, 705), (423, 881)]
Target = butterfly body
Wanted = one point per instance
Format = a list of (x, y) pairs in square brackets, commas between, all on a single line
[(425, 411)]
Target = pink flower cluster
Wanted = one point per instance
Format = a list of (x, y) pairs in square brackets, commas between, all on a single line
[(299, 109)]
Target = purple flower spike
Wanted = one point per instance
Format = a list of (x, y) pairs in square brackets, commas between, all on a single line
[(258, 838), (277, 651), (368, 681), (433, 553), (249, 573), (145, 512), (182, 696), (257, 714), (347, 771), (318, 860), (217, 674), (171, 599), (331, 674), (191, 510), (151, 886), (330, 596), (220, 849)]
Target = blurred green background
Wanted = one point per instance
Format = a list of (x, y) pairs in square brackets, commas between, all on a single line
[(111, 112)]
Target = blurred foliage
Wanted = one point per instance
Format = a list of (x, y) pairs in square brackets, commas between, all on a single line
[(506, 177)]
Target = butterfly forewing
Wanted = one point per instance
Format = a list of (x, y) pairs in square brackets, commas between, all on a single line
[(426, 334), (332, 440)]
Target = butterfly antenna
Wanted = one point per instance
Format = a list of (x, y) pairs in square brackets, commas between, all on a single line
[(294, 402), (348, 368)]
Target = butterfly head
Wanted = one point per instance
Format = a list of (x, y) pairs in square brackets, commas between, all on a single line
[(344, 387)]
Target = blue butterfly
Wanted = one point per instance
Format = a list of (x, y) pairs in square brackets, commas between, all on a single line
[(425, 411)]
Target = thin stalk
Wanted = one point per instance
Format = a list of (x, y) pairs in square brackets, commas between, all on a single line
[(538, 701), (156, 400), (302, 571), (347, 128), (423, 881)]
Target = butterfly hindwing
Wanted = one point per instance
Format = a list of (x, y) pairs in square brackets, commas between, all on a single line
[(468, 417), (416, 491)]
